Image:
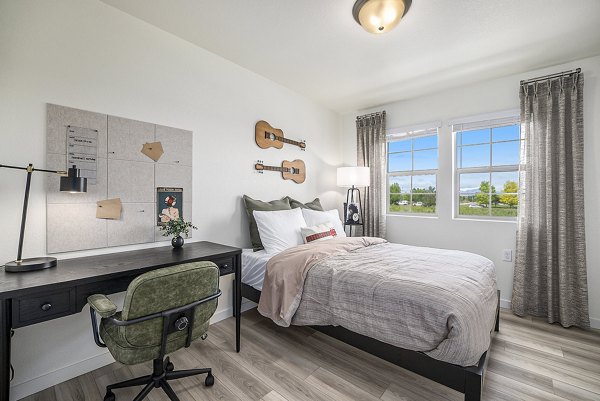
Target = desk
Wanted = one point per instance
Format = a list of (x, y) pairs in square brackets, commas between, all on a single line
[(39, 296)]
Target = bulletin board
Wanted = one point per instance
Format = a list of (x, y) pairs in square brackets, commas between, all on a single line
[(123, 165)]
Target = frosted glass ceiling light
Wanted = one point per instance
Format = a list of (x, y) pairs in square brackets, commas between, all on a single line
[(379, 16)]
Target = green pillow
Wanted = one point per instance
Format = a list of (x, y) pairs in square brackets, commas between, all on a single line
[(254, 204), (314, 205)]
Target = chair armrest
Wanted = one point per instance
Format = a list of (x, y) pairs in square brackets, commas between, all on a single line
[(101, 304)]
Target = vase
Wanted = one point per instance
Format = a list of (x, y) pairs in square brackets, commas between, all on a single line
[(177, 242)]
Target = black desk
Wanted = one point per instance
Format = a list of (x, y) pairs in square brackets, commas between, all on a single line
[(34, 297)]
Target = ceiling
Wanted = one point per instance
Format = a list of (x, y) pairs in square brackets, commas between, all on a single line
[(314, 47)]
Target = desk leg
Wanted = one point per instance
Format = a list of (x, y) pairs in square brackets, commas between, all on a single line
[(5, 327), (234, 294), (237, 303)]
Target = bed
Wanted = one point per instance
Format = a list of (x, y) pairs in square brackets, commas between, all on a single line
[(428, 310)]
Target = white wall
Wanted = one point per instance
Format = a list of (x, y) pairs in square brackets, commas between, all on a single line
[(88, 55), (485, 237)]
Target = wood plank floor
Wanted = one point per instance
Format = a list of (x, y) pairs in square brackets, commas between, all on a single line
[(530, 360)]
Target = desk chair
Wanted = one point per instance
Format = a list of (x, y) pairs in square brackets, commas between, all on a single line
[(164, 310)]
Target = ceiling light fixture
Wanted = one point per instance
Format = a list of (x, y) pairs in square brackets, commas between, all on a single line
[(379, 16)]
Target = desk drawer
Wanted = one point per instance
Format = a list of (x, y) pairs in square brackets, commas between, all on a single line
[(40, 307), (225, 265)]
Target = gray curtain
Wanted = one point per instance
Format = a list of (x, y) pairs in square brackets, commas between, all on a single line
[(550, 277), (370, 135)]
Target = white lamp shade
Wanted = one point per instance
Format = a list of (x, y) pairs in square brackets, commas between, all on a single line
[(357, 176)]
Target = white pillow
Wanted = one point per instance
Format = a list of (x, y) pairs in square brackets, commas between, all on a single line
[(279, 229), (321, 232), (315, 217)]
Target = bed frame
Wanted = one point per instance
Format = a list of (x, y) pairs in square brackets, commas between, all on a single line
[(467, 380)]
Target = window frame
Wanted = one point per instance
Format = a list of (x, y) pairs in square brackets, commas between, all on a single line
[(489, 124), (402, 134)]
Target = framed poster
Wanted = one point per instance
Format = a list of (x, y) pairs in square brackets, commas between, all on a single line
[(169, 204)]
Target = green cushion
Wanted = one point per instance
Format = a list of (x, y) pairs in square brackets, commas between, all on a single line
[(254, 204), (102, 305), (128, 354), (314, 205), (157, 291)]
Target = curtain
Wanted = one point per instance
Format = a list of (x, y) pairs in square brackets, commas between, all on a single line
[(370, 135), (550, 277)]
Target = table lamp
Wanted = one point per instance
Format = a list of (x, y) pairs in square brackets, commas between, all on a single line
[(353, 177), (70, 181)]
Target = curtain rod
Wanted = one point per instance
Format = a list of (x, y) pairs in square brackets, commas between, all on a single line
[(550, 76), (371, 114)]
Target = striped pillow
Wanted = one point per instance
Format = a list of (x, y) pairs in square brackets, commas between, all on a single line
[(320, 232)]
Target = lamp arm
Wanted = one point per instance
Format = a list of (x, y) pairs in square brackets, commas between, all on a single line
[(30, 167)]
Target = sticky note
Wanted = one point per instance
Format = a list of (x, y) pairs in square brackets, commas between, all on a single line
[(153, 150), (109, 209)]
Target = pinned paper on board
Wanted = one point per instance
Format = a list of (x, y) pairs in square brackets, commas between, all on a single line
[(153, 150), (109, 209)]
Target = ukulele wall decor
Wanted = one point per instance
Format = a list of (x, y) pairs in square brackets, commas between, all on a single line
[(294, 170), (269, 137)]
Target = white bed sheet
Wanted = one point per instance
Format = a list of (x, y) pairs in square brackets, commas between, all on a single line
[(254, 265)]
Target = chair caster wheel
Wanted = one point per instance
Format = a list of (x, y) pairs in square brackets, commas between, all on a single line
[(169, 367), (210, 380), (110, 396)]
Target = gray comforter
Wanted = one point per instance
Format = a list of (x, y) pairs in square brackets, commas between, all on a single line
[(440, 302)]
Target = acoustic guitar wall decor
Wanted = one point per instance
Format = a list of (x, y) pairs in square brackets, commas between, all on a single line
[(269, 137), (294, 170)]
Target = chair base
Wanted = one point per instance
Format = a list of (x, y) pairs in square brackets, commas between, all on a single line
[(163, 371)]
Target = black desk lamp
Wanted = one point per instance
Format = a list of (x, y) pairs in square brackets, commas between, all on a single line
[(69, 182)]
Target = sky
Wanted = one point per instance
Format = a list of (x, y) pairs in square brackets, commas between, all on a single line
[(473, 150)]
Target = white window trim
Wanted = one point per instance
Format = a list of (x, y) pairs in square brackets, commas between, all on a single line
[(508, 115), (499, 115), (410, 132)]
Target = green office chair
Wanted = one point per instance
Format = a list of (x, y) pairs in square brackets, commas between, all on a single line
[(164, 310)]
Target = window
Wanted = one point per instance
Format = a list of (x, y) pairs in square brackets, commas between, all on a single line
[(488, 156), (412, 163)]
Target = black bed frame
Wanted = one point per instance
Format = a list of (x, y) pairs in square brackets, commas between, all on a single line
[(467, 380)]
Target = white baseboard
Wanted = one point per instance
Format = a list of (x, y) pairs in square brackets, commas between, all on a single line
[(221, 315), (594, 323), (32, 386), (504, 303), (50, 379)]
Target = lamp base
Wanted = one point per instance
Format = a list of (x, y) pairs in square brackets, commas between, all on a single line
[(31, 264)]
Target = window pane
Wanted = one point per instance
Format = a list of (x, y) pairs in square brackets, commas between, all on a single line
[(423, 203), (425, 142), (400, 162), (473, 205), (400, 203), (400, 185), (475, 156), (474, 183), (423, 184), (506, 201), (507, 133), (475, 137), (506, 153), (400, 194), (506, 181), (426, 159), (399, 146)]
